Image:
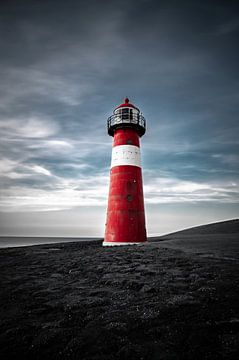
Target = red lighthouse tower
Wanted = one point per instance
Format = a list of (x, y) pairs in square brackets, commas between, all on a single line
[(125, 224)]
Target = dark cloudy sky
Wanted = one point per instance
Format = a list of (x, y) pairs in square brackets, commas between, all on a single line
[(65, 65)]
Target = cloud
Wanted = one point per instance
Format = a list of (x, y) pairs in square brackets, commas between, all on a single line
[(32, 127), (87, 190), (42, 85), (63, 194), (229, 159), (40, 170), (166, 190), (7, 165), (18, 170)]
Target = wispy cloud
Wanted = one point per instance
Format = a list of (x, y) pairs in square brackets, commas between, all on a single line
[(32, 127), (19, 85), (172, 190), (66, 193), (63, 194), (18, 170)]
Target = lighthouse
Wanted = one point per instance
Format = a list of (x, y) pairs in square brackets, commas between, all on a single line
[(125, 223)]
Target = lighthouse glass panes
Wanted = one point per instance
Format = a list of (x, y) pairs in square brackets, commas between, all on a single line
[(126, 116), (125, 222)]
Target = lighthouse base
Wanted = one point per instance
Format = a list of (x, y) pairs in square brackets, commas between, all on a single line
[(107, 243)]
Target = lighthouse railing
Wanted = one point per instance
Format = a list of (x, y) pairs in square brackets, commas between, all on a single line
[(118, 119)]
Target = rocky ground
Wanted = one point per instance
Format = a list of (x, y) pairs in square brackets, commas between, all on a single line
[(82, 301)]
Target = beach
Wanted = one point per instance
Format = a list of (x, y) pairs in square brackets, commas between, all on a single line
[(80, 300)]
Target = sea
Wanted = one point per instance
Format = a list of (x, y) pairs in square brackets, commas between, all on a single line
[(14, 241)]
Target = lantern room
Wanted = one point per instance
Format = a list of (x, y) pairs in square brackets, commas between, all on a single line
[(126, 115)]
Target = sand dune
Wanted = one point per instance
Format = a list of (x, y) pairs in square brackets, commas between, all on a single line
[(222, 227), (218, 240)]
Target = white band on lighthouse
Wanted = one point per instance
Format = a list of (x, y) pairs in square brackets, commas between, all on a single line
[(125, 155)]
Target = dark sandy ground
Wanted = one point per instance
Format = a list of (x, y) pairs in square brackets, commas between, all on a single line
[(82, 301)]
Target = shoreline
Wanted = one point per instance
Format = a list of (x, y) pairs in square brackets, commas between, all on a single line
[(7, 242)]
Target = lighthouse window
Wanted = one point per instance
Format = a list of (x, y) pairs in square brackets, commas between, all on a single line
[(131, 114), (125, 113), (134, 116), (129, 197)]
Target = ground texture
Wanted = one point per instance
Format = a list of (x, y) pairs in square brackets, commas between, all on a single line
[(82, 301)]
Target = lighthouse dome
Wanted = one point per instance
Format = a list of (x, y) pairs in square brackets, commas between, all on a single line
[(126, 104)]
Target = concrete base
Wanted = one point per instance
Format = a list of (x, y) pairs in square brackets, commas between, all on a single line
[(107, 243)]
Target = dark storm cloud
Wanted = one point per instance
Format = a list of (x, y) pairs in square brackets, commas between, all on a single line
[(65, 64)]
